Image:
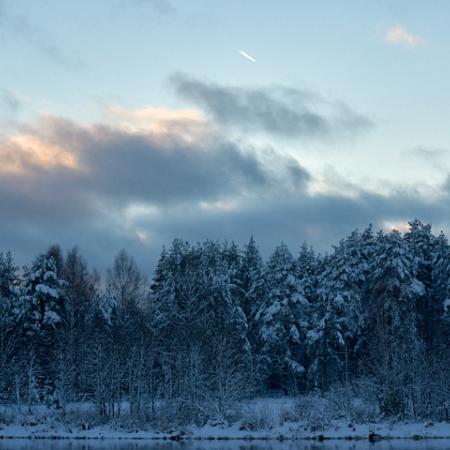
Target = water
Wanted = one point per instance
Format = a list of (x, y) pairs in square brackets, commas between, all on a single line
[(28, 444)]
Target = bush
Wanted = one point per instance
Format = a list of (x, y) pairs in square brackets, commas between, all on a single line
[(257, 418), (314, 410)]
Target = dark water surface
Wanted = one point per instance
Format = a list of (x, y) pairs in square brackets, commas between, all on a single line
[(40, 444)]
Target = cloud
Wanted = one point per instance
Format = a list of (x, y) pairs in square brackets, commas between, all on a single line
[(399, 35), (88, 185), (19, 27), (318, 219), (189, 124), (143, 177), (115, 167), (109, 186), (436, 158), (152, 114), (434, 155), (22, 154), (280, 111), (9, 101), (446, 185)]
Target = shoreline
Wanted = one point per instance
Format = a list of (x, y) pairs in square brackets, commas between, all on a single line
[(371, 433)]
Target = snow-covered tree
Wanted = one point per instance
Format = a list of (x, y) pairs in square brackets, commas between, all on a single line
[(198, 319), (392, 323), (43, 292), (338, 313), (79, 297), (308, 269), (283, 322), (421, 243), (11, 327), (44, 308), (253, 283), (219, 324)]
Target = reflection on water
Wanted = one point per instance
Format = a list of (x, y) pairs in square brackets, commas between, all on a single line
[(40, 444)]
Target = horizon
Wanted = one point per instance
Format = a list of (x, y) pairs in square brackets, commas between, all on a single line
[(266, 254)]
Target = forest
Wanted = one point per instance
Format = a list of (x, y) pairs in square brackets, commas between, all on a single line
[(218, 323)]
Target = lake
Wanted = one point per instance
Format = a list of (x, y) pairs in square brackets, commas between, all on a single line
[(43, 444)]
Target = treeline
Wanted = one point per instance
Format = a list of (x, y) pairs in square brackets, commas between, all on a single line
[(218, 324)]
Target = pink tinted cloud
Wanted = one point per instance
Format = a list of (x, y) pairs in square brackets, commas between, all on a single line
[(399, 35)]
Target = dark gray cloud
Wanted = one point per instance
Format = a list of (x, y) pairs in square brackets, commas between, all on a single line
[(319, 219), (280, 111), (195, 189), (117, 168), (446, 185)]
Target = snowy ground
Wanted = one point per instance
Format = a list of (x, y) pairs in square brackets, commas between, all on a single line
[(260, 419)]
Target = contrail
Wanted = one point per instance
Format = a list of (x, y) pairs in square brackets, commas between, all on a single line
[(246, 55)]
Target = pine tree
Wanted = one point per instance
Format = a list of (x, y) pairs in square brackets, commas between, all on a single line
[(421, 243), (394, 339), (219, 325), (225, 327), (45, 303), (283, 322), (308, 268), (11, 328), (253, 283)]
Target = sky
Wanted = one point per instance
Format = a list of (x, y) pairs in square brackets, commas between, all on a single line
[(128, 123)]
